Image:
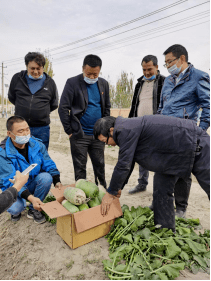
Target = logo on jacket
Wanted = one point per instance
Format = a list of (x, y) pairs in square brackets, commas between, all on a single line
[(46, 89)]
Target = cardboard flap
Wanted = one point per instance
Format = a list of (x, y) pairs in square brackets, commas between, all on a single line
[(92, 217), (55, 210)]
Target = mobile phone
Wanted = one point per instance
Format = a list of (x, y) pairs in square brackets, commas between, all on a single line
[(31, 167)]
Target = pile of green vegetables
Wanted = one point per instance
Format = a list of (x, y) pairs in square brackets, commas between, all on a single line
[(139, 250), (83, 196)]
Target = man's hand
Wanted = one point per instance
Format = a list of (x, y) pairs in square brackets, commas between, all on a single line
[(37, 203), (70, 136), (19, 180), (106, 202), (58, 185), (119, 193)]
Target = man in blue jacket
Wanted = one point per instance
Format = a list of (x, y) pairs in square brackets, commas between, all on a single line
[(169, 146), (19, 152), (184, 92)]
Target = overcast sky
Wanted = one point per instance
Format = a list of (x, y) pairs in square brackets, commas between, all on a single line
[(32, 25)]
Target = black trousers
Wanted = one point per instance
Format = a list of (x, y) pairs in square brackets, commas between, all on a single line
[(163, 194), (80, 148), (182, 192)]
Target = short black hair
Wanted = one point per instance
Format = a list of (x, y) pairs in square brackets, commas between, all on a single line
[(103, 126), (177, 51), (36, 57), (12, 120), (150, 58), (92, 60)]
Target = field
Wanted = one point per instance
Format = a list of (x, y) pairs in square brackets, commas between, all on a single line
[(31, 251)]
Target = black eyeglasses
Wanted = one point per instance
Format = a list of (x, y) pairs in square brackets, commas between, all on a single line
[(168, 63)]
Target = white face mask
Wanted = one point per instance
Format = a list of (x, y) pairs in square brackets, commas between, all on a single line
[(89, 80), (174, 70), (21, 139)]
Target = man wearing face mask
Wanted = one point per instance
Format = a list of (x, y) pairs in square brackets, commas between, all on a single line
[(34, 94), (20, 151), (184, 92), (84, 100), (146, 100)]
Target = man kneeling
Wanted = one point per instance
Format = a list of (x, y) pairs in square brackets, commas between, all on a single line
[(169, 146), (19, 151)]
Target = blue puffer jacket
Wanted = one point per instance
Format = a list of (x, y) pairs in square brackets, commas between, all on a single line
[(11, 161), (186, 98)]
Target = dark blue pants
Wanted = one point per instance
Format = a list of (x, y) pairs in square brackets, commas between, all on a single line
[(163, 194), (42, 133)]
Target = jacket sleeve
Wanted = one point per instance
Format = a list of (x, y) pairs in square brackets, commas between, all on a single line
[(127, 145), (54, 100), (161, 102), (48, 164), (7, 198), (65, 107), (203, 92), (11, 92), (107, 101)]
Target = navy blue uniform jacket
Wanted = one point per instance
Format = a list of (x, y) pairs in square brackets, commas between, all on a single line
[(158, 143)]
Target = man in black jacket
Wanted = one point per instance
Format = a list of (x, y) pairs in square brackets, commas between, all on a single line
[(145, 101), (84, 100), (34, 94), (169, 146)]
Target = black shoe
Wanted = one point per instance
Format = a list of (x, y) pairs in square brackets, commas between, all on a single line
[(36, 215), (180, 213), (15, 217), (138, 188)]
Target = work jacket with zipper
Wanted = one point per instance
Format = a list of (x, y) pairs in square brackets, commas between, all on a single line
[(74, 102), (184, 99), (34, 108), (157, 87), (161, 144)]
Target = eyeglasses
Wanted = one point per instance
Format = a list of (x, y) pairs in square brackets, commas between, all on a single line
[(168, 63)]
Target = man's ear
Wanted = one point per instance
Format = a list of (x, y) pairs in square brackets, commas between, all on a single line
[(111, 131)]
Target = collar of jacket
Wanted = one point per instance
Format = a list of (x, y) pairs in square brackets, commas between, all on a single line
[(24, 72), (185, 76), (84, 88), (141, 78), (12, 152)]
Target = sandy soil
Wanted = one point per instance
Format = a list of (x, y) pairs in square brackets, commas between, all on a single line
[(31, 251)]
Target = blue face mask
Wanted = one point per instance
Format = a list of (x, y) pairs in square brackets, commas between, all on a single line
[(174, 70), (31, 77), (150, 78), (89, 80), (21, 139)]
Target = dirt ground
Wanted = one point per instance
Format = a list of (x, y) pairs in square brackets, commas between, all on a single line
[(32, 252)]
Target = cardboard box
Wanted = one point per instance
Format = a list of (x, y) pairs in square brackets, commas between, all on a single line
[(82, 227)]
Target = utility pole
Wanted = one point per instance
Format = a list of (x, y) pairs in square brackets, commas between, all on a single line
[(2, 84)]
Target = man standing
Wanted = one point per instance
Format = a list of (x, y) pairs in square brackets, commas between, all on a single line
[(84, 100), (184, 92), (19, 152), (35, 96), (146, 100)]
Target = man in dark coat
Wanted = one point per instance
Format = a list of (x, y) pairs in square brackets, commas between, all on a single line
[(85, 99), (35, 96), (146, 100), (169, 146)]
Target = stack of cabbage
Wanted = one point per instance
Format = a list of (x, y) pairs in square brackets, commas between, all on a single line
[(83, 196)]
